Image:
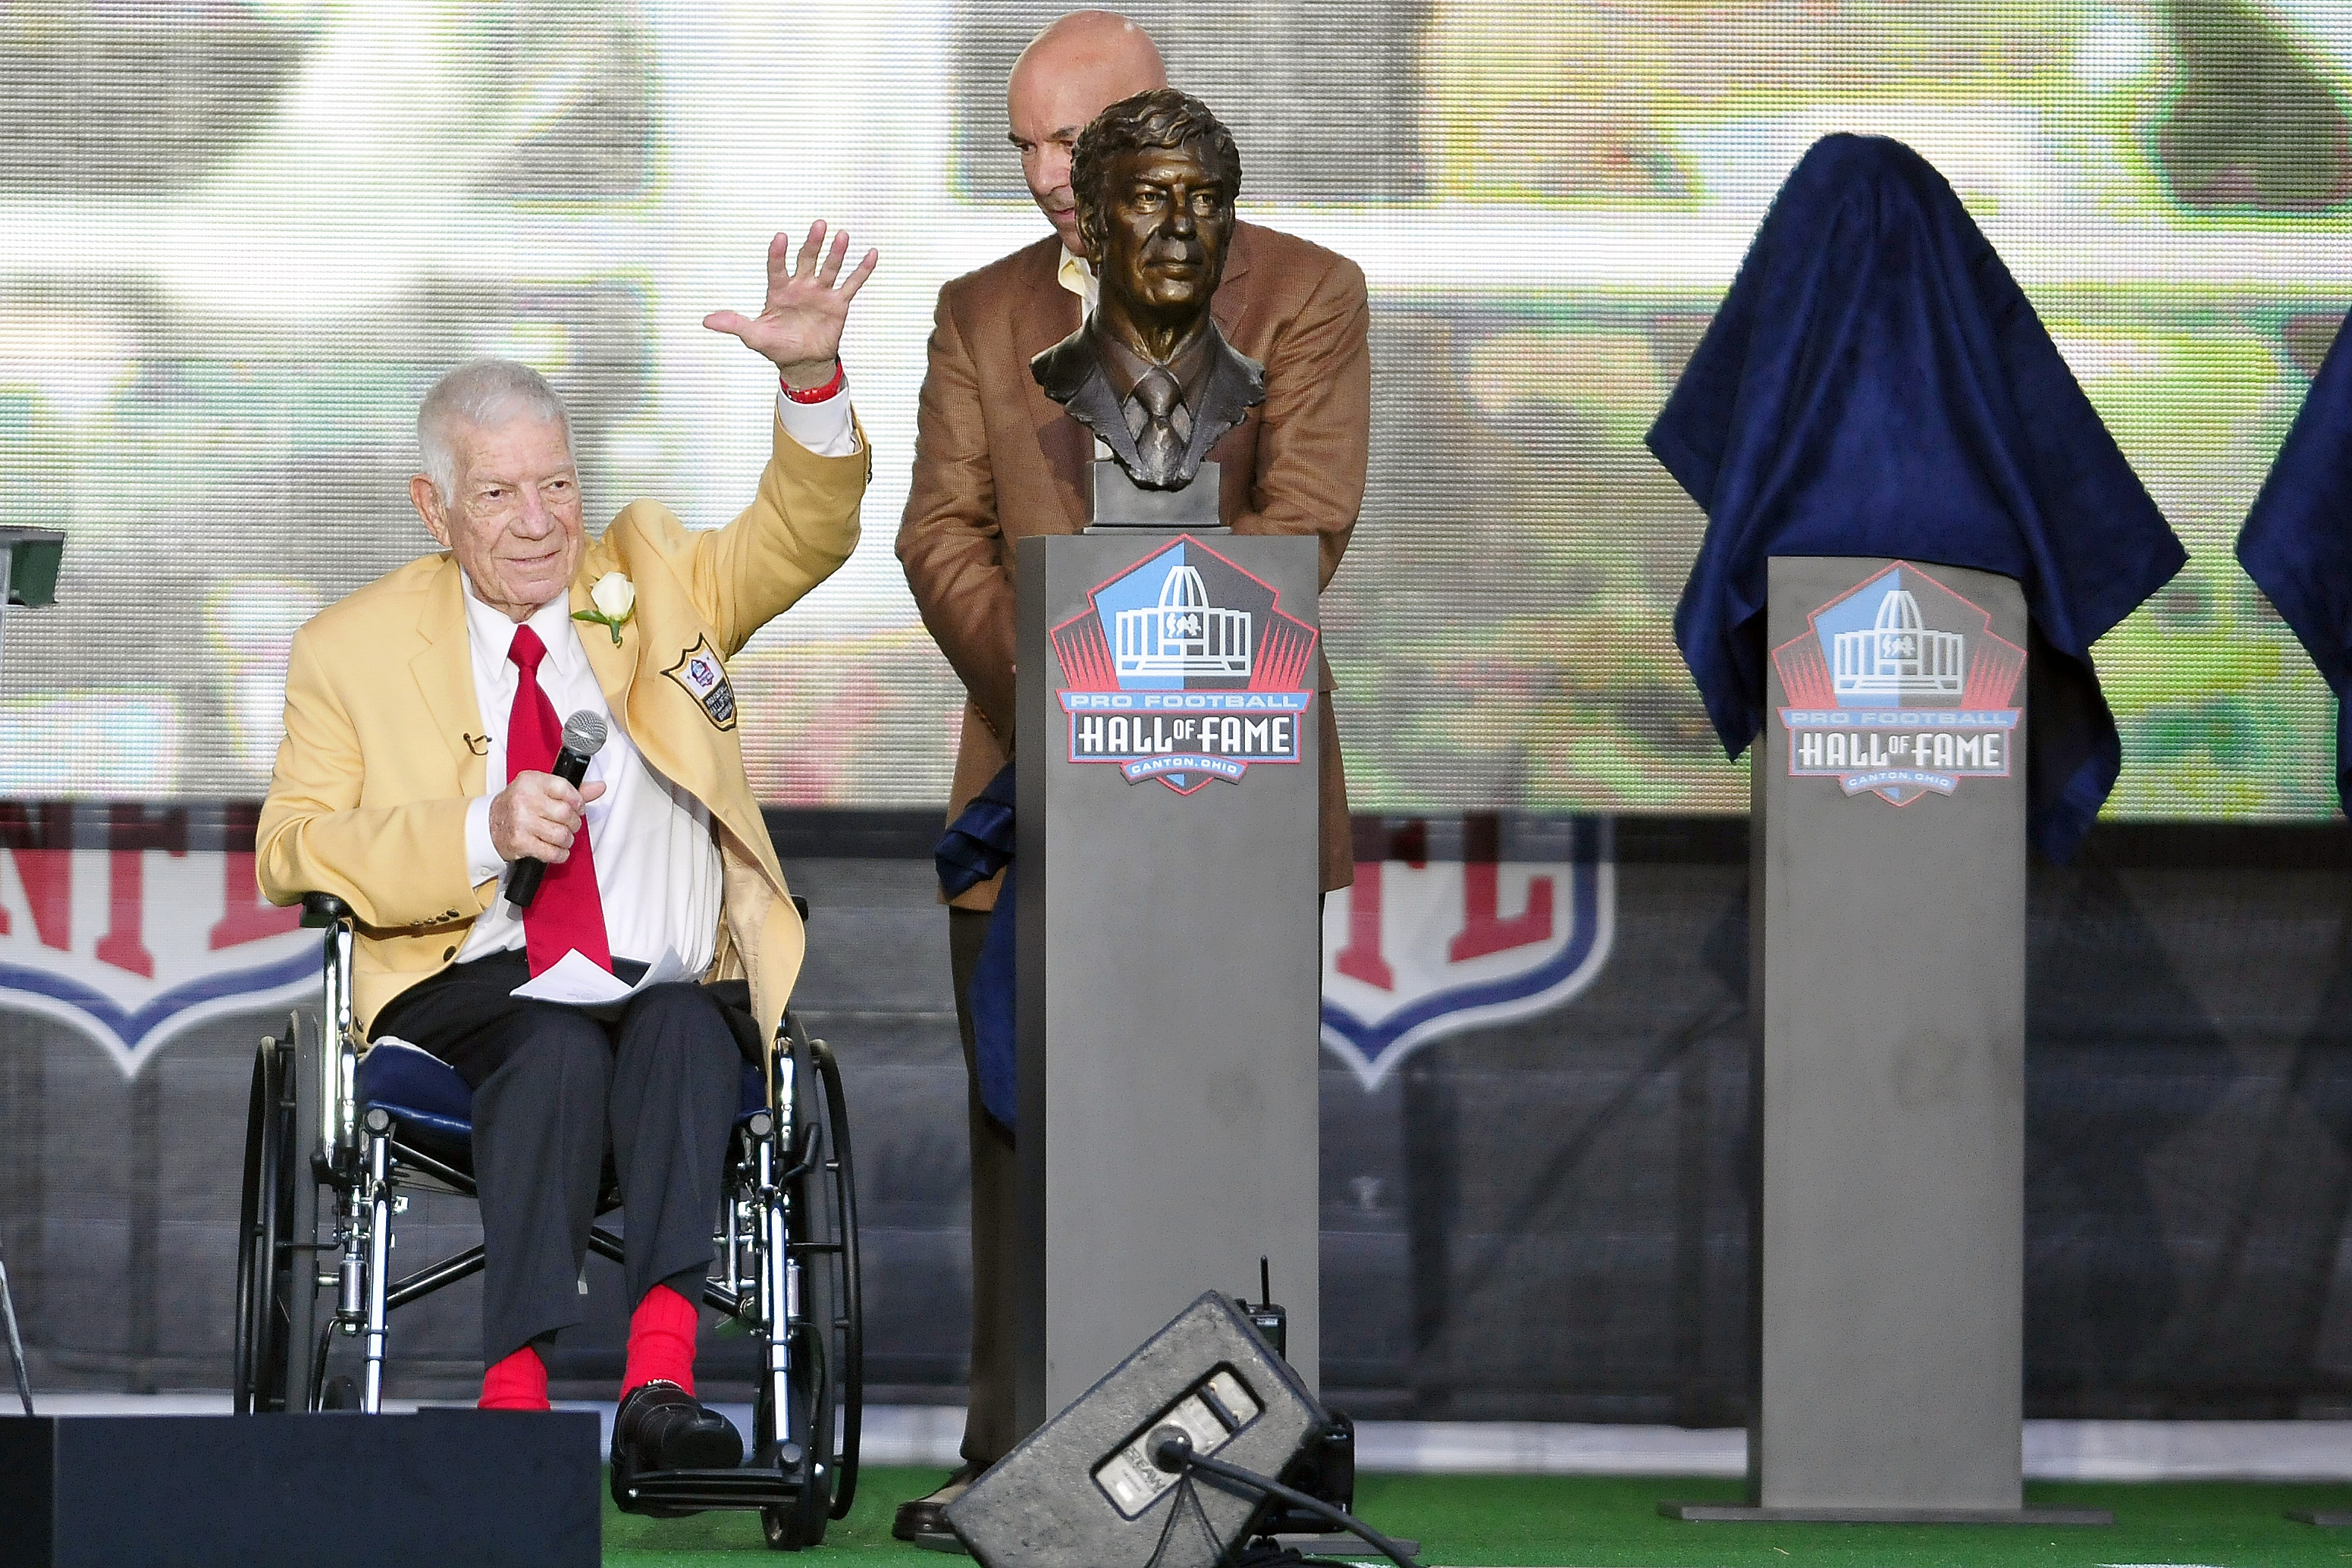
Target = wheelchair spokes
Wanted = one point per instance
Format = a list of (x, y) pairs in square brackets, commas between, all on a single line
[(847, 1320), (811, 1401), (258, 1381), (373, 1203), (277, 1237)]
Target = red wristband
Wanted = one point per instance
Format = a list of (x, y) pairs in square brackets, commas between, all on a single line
[(816, 394)]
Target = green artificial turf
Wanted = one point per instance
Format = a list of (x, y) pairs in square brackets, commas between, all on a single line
[(1544, 1521)]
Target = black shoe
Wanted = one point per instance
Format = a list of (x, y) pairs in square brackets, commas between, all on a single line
[(924, 1521), (660, 1427)]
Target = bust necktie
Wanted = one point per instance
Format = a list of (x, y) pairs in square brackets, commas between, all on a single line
[(568, 915), (1157, 443)]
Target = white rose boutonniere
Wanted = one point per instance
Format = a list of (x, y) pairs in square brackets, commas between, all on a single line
[(616, 598)]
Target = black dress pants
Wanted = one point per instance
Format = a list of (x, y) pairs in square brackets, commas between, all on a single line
[(553, 1085)]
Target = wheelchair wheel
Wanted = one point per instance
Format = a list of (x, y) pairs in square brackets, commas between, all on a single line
[(264, 1337), (277, 1230), (847, 1340), (827, 1390)]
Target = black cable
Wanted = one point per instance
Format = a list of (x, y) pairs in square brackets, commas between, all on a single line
[(1176, 1447)]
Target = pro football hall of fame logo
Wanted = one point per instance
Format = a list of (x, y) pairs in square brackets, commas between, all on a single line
[(1900, 689), (1184, 668)]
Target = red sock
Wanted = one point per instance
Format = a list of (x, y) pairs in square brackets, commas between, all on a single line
[(517, 1383), (661, 1341)]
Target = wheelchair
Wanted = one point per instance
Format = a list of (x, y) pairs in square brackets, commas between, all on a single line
[(333, 1137)]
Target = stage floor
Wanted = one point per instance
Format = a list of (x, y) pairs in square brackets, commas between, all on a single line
[(919, 1436), (1611, 1521), (1558, 1512)]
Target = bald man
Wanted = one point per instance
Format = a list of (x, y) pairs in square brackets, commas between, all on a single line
[(996, 460), (1070, 73)]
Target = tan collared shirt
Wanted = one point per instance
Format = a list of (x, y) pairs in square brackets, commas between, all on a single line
[(1077, 275)]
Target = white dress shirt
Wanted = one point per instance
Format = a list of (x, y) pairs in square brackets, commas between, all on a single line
[(658, 870)]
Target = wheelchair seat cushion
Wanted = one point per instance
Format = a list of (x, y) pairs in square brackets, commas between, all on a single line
[(421, 1089), (415, 1085)]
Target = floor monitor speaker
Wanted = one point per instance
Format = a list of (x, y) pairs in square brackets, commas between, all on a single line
[(1083, 1491)]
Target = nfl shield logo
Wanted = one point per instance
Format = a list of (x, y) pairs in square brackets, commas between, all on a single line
[(1456, 924), (130, 925)]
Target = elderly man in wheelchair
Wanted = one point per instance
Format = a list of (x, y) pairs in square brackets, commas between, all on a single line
[(560, 988)]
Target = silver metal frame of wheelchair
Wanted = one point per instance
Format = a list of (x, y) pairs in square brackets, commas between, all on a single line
[(786, 1257)]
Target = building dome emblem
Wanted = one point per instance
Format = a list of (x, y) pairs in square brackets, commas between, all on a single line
[(1896, 655), (1183, 634)]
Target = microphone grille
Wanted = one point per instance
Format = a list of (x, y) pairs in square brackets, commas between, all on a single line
[(583, 733)]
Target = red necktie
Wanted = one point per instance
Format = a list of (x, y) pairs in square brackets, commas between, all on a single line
[(568, 915)]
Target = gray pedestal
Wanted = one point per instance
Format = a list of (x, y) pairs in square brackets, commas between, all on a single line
[(1888, 913), (1168, 942)]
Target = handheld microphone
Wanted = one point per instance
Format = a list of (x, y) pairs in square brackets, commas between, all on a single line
[(584, 737)]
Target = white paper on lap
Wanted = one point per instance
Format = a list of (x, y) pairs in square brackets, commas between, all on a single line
[(574, 981)]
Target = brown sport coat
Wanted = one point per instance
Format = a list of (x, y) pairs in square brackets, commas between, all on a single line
[(997, 460)]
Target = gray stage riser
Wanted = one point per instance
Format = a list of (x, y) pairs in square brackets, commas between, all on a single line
[(454, 1488)]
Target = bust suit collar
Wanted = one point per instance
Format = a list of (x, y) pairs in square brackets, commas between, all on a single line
[(1072, 373)]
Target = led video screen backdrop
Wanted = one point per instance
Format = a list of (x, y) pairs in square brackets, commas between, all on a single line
[(237, 241)]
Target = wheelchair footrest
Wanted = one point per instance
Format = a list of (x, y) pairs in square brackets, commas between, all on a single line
[(750, 1485)]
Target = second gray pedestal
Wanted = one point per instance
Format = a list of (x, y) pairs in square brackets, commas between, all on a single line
[(1888, 990)]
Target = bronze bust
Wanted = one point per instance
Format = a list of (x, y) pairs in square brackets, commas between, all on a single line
[(1155, 177)]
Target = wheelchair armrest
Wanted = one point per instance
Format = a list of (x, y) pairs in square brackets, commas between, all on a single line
[(320, 911)]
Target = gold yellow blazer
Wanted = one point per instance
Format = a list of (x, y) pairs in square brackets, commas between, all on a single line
[(368, 798)]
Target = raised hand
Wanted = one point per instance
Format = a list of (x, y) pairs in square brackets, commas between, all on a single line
[(799, 329)]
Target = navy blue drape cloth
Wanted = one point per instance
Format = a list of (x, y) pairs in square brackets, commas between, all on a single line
[(2297, 542), (976, 845), (1875, 384)]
